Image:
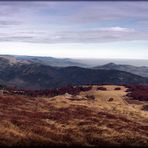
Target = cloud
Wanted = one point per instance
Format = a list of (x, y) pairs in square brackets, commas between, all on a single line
[(117, 29), (103, 11), (65, 22), (67, 36)]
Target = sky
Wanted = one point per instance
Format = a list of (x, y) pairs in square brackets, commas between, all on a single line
[(75, 29)]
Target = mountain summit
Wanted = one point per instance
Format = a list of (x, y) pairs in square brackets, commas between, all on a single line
[(141, 70)]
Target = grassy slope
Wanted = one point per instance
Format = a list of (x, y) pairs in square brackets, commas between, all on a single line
[(60, 120)]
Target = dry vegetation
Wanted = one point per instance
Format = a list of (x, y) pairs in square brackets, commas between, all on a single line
[(74, 119)]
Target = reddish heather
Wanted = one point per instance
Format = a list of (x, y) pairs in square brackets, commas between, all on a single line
[(138, 92), (73, 90)]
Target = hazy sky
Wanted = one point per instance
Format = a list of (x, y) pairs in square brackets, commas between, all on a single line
[(75, 29)]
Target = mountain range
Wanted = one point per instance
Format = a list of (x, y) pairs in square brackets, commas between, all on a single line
[(50, 61), (36, 75)]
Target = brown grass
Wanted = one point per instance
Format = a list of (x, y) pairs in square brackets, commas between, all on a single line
[(60, 121)]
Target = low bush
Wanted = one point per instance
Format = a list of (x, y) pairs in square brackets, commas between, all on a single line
[(101, 88), (137, 92), (73, 90), (145, 107), (117, 88), (110, 99), (91, 97)]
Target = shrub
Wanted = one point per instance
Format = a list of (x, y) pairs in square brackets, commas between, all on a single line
[(101, 88), (91, 97), (145, 107), (137, 92), (110, 99), (73, 90), (117, 88)]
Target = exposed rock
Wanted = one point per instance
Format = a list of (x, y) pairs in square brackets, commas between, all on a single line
[(68, 96)]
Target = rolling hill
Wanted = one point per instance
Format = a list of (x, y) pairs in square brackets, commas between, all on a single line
[(20, 72), (37, 76), (141, 70), (50, 61)]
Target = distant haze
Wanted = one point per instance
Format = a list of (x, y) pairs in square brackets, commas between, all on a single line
[(97, 62), (86, 62)]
